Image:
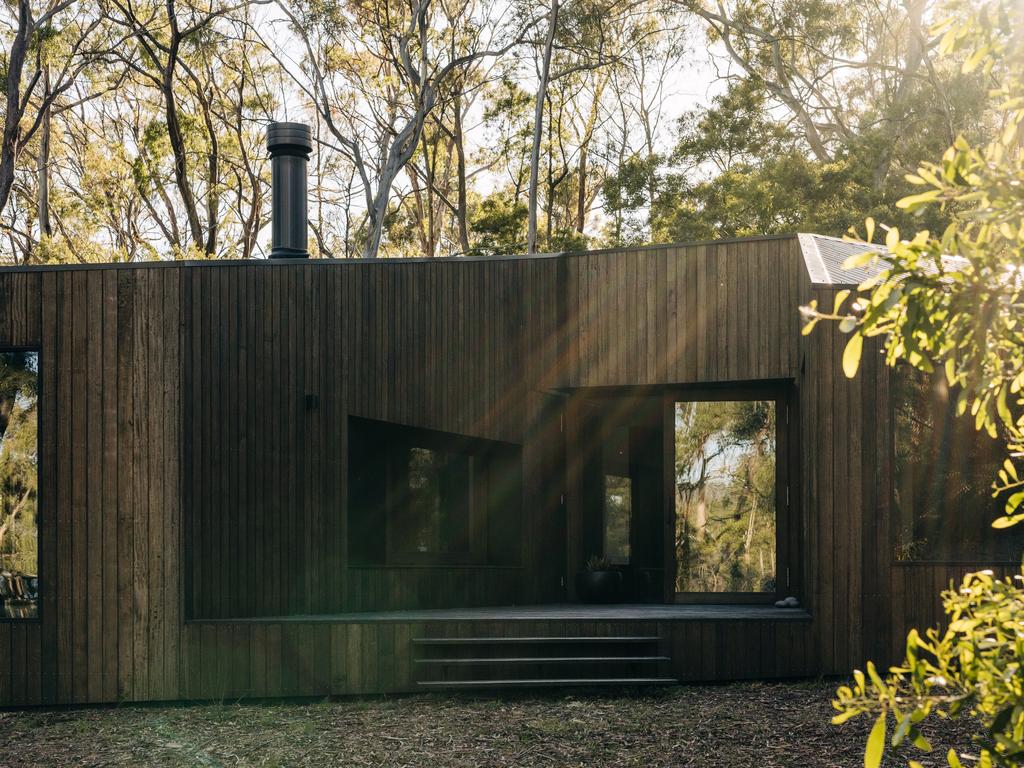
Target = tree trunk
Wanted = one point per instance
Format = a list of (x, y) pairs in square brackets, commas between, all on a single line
[(177, 142), (460, 169), (212, 192), (13, 113), (174, 134), (43, 166), (538, 127)]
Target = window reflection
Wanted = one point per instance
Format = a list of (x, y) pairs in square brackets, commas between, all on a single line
[(725, 496), (944, 470), (433, 503), (19, 532)]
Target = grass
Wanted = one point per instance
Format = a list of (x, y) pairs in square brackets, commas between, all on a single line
[(759, 725)]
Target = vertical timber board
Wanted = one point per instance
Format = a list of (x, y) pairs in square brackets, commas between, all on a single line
[(107, 308), (126, 307), (21, 309), (79, 486), (49, 492), (92, 386)]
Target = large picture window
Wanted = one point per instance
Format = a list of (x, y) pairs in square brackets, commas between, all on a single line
[(420, 496), (19, 483), (944, 469), (727, 492)]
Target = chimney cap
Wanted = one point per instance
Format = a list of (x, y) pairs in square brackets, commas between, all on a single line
[(289, 138)]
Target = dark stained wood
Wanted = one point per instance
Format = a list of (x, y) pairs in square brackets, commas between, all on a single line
[(193, 486)]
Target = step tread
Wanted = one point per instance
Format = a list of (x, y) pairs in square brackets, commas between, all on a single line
[(524, 640), (546, 683), (546, 660)]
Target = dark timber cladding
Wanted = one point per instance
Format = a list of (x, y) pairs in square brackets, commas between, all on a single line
[(193, 460)]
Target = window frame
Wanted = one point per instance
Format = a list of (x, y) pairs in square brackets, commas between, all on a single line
[(40, 495), (786, 576)]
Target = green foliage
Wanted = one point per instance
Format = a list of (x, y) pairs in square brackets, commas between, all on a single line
[(970, 669), (952, 303), (500, 225)]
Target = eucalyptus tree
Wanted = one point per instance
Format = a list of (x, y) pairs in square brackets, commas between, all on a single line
[(53, 62), (375, 72), (175, 52), (586, 43)]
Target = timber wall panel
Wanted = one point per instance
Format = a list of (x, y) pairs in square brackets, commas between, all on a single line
[(685, 314), (108, 453), (446, 349), (185, 471)]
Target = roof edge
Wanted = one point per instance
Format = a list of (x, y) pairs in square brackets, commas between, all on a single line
[(169, 264)]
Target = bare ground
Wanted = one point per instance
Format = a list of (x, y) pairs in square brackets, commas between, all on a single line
[(755, 725)]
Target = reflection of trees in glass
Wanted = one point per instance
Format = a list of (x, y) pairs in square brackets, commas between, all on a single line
[(18, 461), (617, 510), (725, 496), (943, 477), (438, 501)]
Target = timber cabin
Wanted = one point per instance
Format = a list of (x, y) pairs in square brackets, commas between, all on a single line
[(298, 477), (308, 477)]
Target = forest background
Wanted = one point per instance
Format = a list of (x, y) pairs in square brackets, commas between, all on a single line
[(135, 130)]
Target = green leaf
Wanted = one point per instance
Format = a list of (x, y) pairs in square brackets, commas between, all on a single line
[(876, 744), (902, 727), (1015, 500), (953, 760), (1008, 521), (851, 355), (950, 367), (859, 260), (921, 742), (840, 298), (1002, 408), (842, 717), (912, 201)]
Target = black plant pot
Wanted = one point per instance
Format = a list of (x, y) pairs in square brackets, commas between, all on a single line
[(598, 586)]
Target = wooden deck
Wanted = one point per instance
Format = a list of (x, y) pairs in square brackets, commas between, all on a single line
[(625, 612)]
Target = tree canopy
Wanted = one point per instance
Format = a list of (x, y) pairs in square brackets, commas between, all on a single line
[(448, 127)]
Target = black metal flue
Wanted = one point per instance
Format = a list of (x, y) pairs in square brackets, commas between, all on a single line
[(290, 145)]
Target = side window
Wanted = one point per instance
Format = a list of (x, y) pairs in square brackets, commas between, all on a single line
[(943, 474), (19, 483)]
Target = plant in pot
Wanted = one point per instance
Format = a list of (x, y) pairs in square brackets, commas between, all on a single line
[(599, 582)]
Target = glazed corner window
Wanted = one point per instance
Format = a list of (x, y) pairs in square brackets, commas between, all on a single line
[(419, 496), (726, 496), (19, 467), (943, 474)]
